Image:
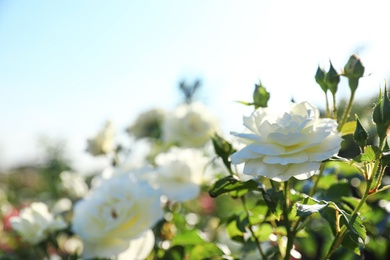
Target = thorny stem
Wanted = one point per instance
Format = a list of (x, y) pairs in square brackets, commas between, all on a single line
[(379, 180), (334, 107), (263, 255), (311, 193), (340, 235), (327, 111), (321, 171), (290, 232)]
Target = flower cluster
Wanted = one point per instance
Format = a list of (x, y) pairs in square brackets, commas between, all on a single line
[(184, 190)]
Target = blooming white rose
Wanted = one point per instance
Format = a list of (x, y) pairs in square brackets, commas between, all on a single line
[(103, 142), (116, 213), (180, 173), (291, 144), (189, 125), (35, 223)]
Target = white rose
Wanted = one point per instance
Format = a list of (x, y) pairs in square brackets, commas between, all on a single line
[(291, 144), (74, 184), (147, 124), (116, 213), (35, 223), (103, 142), (189, 125), (180, 173), (139, 248)]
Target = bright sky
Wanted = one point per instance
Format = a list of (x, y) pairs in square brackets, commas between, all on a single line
[(67, 66)]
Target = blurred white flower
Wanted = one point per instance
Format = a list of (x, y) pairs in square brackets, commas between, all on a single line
[(180, 173), (61, 206), (35, 223), (139, 248), (116, 213), (74, 184), (189, 125), (103, 142), (147, 124), (291, 144), (69, 244), (73, 245)]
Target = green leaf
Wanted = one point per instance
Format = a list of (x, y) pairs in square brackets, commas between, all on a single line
[(357, 226), (233, 231), (348, 128), (306, 210), (258, 212), (231, 183), (191, 237), (206, 251), (329, 214), (327, 210), (263, 232), (351, 241), (370, 154), (242, 222)]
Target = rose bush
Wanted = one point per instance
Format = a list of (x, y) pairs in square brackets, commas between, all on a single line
[(171, 196), (291, 144)]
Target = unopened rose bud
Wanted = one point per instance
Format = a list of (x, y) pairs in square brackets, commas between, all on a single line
[(332, 79), (386, 109), (377, 116), (320, 79), (360, 135), (260, 96), (381, 115), (354, 67), (353, 70)]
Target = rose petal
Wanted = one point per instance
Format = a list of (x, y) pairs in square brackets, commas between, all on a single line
[(286, 159)]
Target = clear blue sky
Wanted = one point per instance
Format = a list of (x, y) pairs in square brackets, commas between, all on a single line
[(67, 66)]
